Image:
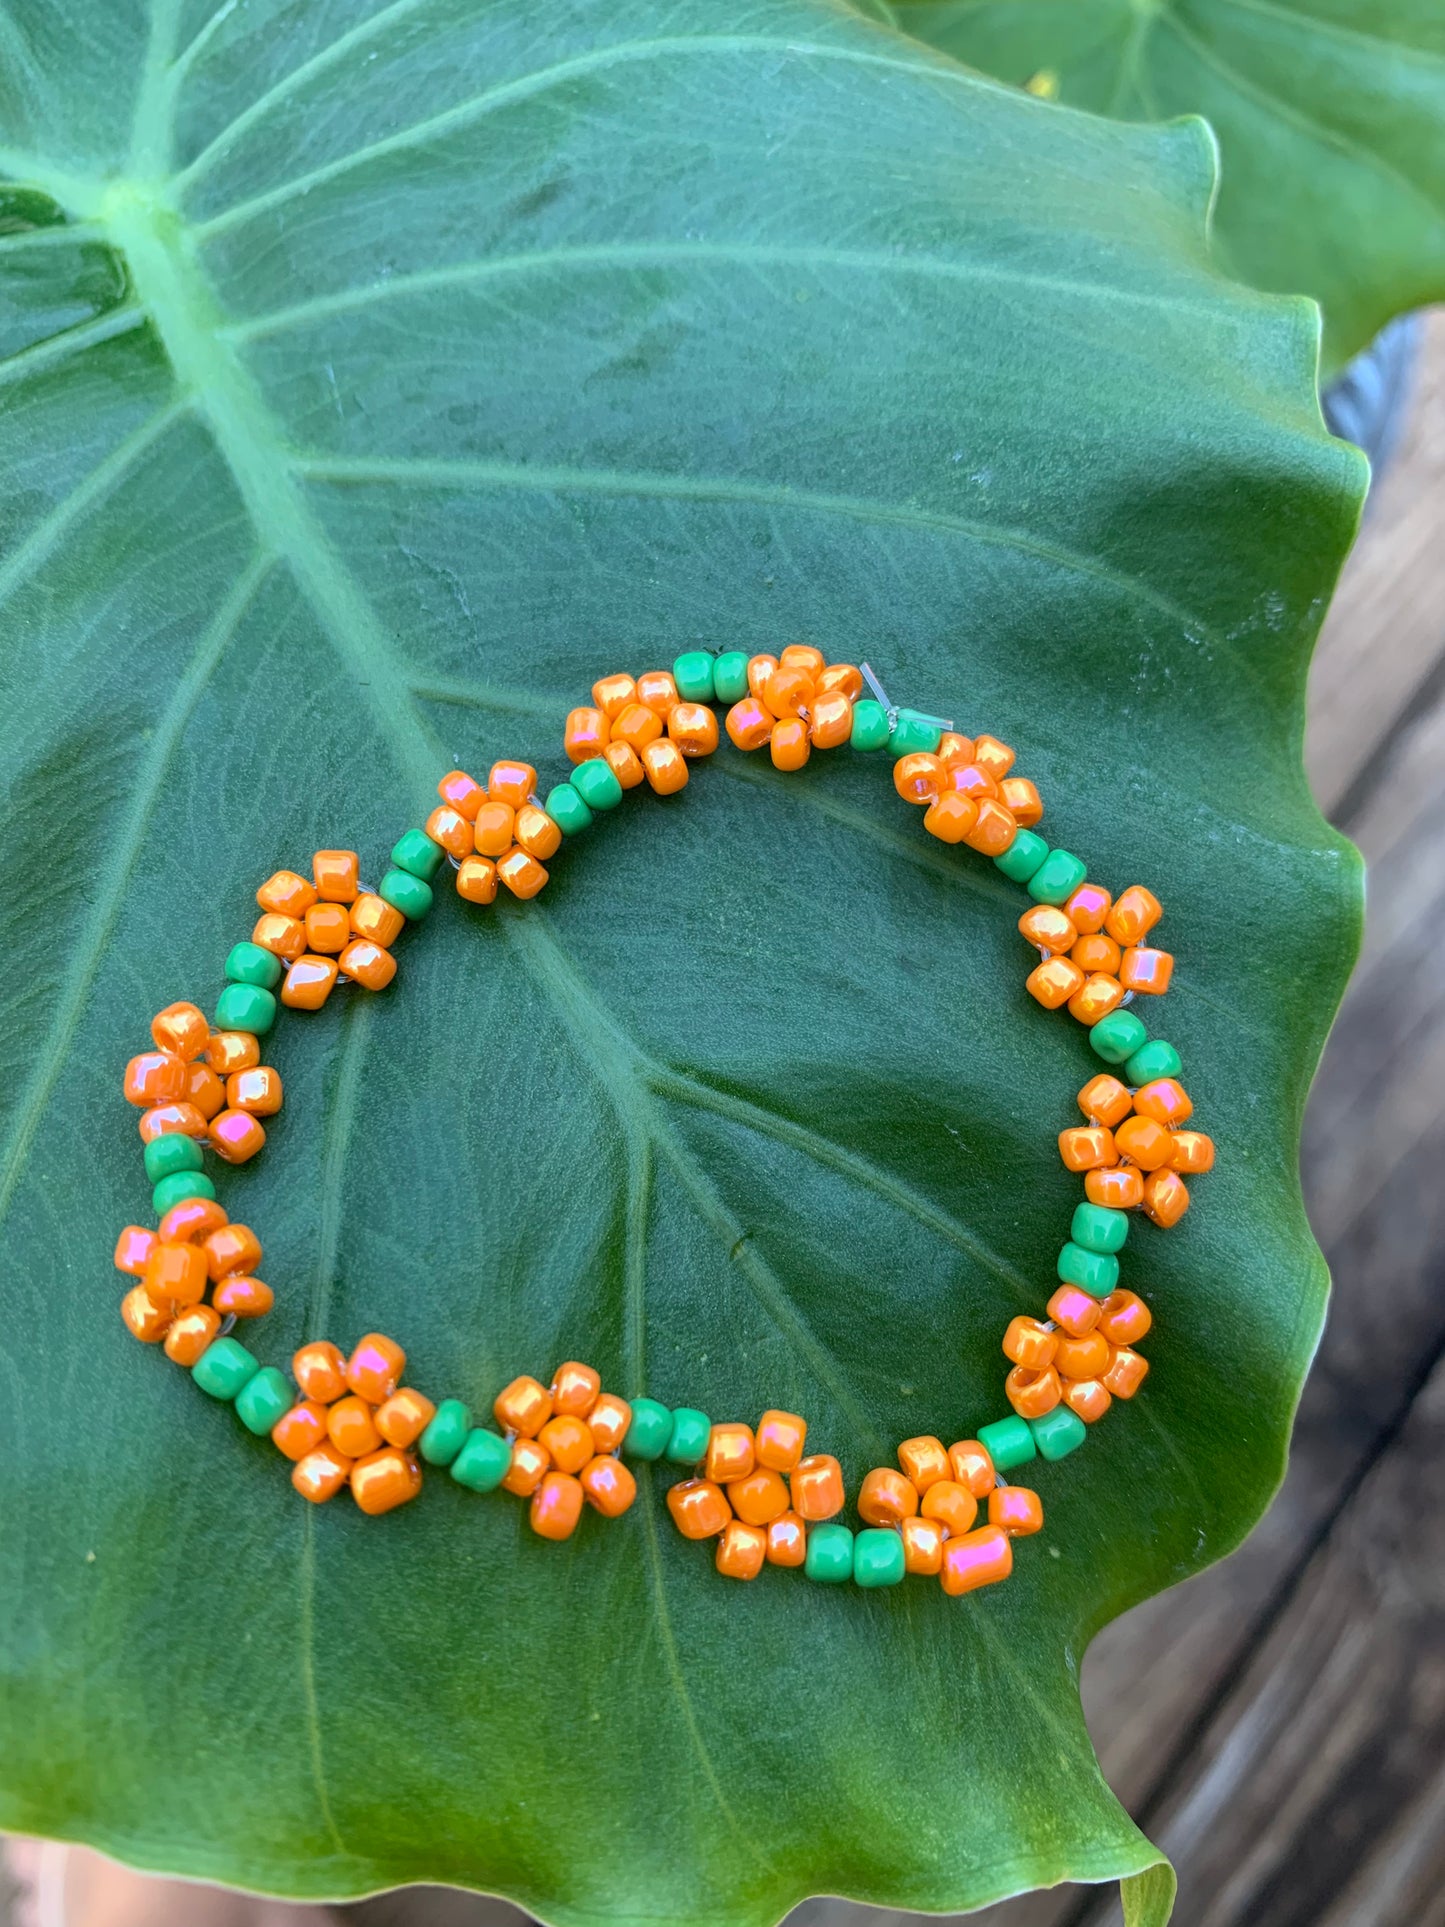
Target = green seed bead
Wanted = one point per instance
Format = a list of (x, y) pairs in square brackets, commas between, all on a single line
[(693, 675), (165, 1156), (829, 1557), (1023, 857), (1008, 1442), (178, 1186), (405, 892), (1057, 877), (567, 810), (687, 1442), (1093, 1271), (263, 1399), (417, 855), (1118, 1036), (1058, 1432), (650, 1430), (912, 732), (447, 1433), (878, 1557), (224, 1367), (482, 1463), (730, 676), (1097, 1228), (870, 725), (245, 1007), (1151, 1060), (595, 783), (248, 963)]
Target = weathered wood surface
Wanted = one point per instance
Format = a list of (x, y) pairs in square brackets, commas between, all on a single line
[(1283, 1735)]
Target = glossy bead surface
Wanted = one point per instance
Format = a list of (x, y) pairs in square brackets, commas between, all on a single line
[(971, 1464), (452, 830), (650, 1430), (403, 1418), (787, 1541), (731, 1453), (351, 1427), (257, 1090), (367, 964), (482, 1463), (320, 1370), (1165, 1100), (1053, 982), (878, 1559), (1191, 1151), (609, 1421), (144, 1318), (1133, 916), (922, 1546), (309, 982), (523, 1406), (191, 1222), (779, 1440), (1166, 1198), (1026, 1343), (993, 830), (787, 691), (692, 674), (729, 676), (492, 831), (1021, 798), (1075, 1312), (464, 793), (567, 810), (658, 690), (666, 767), (236, 1136), (1124, 1318), (263, 1400), (373, 1369), (176, 1274), (1008, 1442), (320, 1475), (844, 678), (1082, 1357), (510, 781), (1153, 1060), (180, 1030), (1087, 1398), (531, 1462), (699, 1508), (595, 783), (1087, 1147), (165, 1157), (612, 694), (1095, 998), (1092, 1271), (446, 1433), (335, 874), (1056, 878), (741, 1550), (980, 1558), (1047, 928), (1146, 971), (410, 894), (477, 879), (626, 765), (817, 1487), (1117, 1036), (328, 929), (1144, 1142), (162, 1118), (1125, 1372), (912, 733), (523, 875), (300, 1430), (693, 727), (916, 777), (1058, 1433), (567, 1441), (829, 1557), (242, 1297), (376, 920), (154, 1078), (1031, 1394), (1097, 1229), (585, 734), (886, 1497), (1023, 856), (830, 720), (575, 1388), (1105, 1100), (924, 1461), (761, 1497), (287, 894), (688, 1440), (951, 817), (190, 1332), (384, 1480), (1119, 1188), (749, 723), (607, 1485), (1015, 1510), (637, 726), (133, 1249), (234, 1050), (248, 963), (870, 725), (789, 745), (224, 1367), (952, 1505)]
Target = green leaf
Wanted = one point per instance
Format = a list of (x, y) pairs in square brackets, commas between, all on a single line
[(405, 368), (1330, 116)]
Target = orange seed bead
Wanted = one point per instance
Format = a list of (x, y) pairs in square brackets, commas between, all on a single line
[(1032, 1394), (351, 1427), (191, 1221), (699, 1508), (802, 655), (522, 874), (608, 1421), (144, 1318), (1088, 907), (789, 743), (1166, 1101), (1047, 928), (972, 1467), (464, 794), (384, 1480), (374, 1367), (1026, 1343), (779, 1441), (915, 777), (234, 1050), (817, 1487), (587, 734), (403, 1418), (967, 779), (787, 1541), (181, 1030), (830, 719), (531, 1462), (378, 921), (257, 1090), (284, 937), (1166, 1197), (133, 1249), (523, 1406), (1053, 982), (287, 894), (637, 726), (1191, 1151), (1144, 1142), (477, 879), (1087, 1147), (1124, 1318), (320, 1370), (205, 1090), (492, 831), (162, 1119), (922, 1545), (1082, 1357), (1124, 1374), (575, 1389), (666, 767), (300, 1430), (612, 694), (979, 1558), (658, 691), (842, 677), (1087, 1398), (1096, 997), (626, 765), (787, 691), (924, 1462), (760, 669), (243, 1297), (1074, 1311), (693, 727), (607, 1485), (996, 759), (155, 1077), (886, 1498), (1105, 1100), (951, 817), (741, 1550), (1097, 952), (231, 1248), (568, 1442), (749, 723), (309, 983), (451, 830), (731, 1453), (190, 1333), (1147, 971), (509, 782), (1119, 1186), (952, 1505), (236, 1136), (176, 1274), (1015, 1510), (321, 1474), (367, 964), (336, 874), (1022, 799), (759, 1498), (1134, 915)]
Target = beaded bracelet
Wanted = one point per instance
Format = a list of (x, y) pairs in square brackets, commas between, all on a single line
[(348, 1420)]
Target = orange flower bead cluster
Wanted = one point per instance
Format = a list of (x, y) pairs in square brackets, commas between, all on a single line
[(1094, 958), (968, 795), (1083, 1356), (194, 1256), (756, 1493), (795, 703), (564, 1440), (1133, 1151), (643, 729), (354, 1425), (208, 1086), (326, 928), (933, 1500), (499, 834)]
